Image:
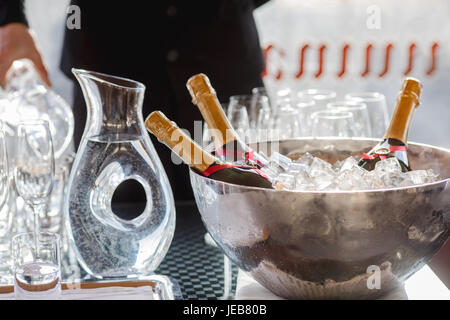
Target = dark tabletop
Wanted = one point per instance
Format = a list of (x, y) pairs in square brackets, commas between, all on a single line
[(197, 266)]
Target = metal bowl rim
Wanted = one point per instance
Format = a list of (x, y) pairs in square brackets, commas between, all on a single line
[(336, 191)]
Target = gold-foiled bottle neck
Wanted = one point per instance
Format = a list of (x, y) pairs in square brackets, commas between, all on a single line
[(160, 125), (407, 101), (171, 135), (198, 85), (411, 87)]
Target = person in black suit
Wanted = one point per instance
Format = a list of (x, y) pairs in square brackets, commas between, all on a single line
[(160, 44)]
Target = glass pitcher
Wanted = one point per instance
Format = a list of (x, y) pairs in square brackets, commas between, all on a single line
[(115, 149)]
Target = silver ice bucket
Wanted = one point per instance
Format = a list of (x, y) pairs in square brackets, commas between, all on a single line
[(330, 245)]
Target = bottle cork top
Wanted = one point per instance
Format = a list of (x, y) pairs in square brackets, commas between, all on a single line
[(413, 86), (199, 84), (160, 126), (178, 141)]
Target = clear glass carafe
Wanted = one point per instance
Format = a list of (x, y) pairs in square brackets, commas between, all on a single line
[(115, 148)]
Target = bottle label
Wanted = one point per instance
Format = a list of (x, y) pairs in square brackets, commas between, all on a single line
[(217, 167), (383, 152)]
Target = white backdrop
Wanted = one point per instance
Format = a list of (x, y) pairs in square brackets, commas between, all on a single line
[(412, 33)]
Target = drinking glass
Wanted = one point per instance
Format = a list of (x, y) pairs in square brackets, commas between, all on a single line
[(35, 166), (284, 94), (262, 92), (377, 109), (241, 115), (320, 96), (5, 214), (360, 115), (53, 220), (255, 105), (286, 123), (305, 107), (331, 123), (283, 97), (3, 168), (264, 114), (37, 265)]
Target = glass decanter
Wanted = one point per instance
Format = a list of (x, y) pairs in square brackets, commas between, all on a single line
[(30, 99), (115, 149)]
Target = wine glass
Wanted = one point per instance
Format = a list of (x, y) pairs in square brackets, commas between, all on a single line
[(239, 120), (4, 181), (286, 122), (377, 109), (242, 114), (305, 107), (360, 115), (255, 104), (35, 166), (320, 96), (262, 91), (283, 97), (5, 210), (332, 123), (284, 94)]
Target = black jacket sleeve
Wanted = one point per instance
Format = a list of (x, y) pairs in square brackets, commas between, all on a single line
[(259, 3), (12, 11)]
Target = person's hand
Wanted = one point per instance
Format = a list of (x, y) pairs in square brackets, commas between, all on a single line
[(17, 42)]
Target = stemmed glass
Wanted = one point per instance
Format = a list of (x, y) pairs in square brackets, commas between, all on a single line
[(262, 92), (241, 114), (305, 108), (286, 122), (35, 167), (3, 168), (332, 123), (5, 210), (239, 120), (377, 109), (320, 96), (360, 115)]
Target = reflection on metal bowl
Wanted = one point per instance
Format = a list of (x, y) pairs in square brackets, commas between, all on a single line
[(333, 244)]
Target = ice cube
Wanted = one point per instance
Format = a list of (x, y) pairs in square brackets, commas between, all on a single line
[(388, 165), (263, 156), (286, 181), (303, 181), (295, 168), (348, 164), (394, 179), (320, 167), (422, 176), (305, 159), (323, 182), (338, 164), (281, 160), (374, 180), (432, 176), (351, 180), (417, 176), (406, 183), (272, 169)]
